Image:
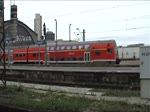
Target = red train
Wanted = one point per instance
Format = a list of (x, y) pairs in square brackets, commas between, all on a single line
[(65, 52)]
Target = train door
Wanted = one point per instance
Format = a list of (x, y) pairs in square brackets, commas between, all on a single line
[(87, 56)]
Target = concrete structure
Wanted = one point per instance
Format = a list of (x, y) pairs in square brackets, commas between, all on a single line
[(38, 25), (128, 53), (14, 20), (145, 71), (50, 36)]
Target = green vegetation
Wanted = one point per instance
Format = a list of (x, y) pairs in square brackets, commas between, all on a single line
[(22, 97), (118, 93)]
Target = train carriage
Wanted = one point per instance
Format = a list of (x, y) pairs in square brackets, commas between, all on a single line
[(68, 52)]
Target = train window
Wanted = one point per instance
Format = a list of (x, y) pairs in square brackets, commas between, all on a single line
[(57, 58), (20, 55), (34, 54), (74, 47), (80, 58), (97, 52), (109, 51), (23, 55), (52, 59), (74, 58), (87, 46), (51, 48), (80, 46), (62, 58), (68, 58), (58, 47), (68, 47), (62, 47), (17, 55)]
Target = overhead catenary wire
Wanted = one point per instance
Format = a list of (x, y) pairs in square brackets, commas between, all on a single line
[(92, 10), (101, 9)]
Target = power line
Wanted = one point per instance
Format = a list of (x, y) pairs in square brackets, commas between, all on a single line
[(121, 20), (86, 11), (115, 7), (134, 28)]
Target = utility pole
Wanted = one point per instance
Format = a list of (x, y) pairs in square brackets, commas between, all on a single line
[(56, 41), (69, 32), (83, 35), (44, 31)]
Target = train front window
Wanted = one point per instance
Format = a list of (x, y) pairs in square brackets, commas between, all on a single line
[(109, 51)]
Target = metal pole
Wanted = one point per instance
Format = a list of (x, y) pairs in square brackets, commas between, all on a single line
[(39, 55), (70, 32), (8, 55), (44, 29), (83, 35), (56, 41), (46, 52)]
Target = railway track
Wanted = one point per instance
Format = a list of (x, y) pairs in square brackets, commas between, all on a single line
[(120, 77)]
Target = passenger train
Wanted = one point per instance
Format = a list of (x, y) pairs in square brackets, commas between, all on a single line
[(65, 52)]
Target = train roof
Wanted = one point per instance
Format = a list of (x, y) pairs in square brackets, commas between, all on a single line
[(69, 43), (77, 43)]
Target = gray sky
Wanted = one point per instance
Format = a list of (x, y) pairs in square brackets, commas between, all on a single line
[(128, 22)]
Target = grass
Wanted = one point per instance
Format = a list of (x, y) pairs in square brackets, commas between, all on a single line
[(54, 101)]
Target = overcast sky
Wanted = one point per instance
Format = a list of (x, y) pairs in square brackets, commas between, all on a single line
[(128, 22)]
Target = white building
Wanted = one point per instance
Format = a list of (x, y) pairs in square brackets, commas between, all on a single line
[(38, 25), (130, 52)]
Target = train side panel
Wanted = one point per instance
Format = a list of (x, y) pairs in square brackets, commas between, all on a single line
[(34, 55), (103, 52), (19, 55)]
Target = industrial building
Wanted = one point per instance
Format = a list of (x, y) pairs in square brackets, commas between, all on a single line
[(130, 52)]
